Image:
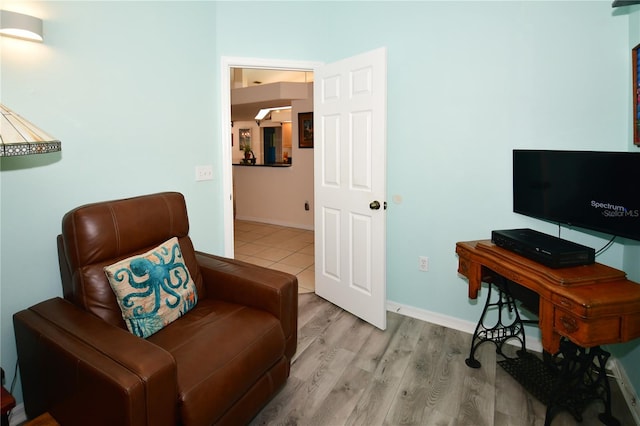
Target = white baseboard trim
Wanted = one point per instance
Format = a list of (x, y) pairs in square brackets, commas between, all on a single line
[(275, 222), (620, 374), (17, 415)]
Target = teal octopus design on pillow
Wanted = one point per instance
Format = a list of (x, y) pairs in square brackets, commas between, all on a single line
[(158, 278), (166, 288)]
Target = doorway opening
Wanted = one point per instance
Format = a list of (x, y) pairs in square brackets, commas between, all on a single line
[(257, 74), (348, 189)]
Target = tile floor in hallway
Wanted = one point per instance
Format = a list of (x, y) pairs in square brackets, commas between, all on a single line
[(277, 247)]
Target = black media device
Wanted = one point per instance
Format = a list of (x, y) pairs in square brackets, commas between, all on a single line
[(594, 190), (550, 251)]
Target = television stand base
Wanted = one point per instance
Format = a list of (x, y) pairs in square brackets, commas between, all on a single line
[(567, 381)]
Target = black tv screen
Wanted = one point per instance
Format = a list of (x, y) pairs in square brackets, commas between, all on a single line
[(594, 190)]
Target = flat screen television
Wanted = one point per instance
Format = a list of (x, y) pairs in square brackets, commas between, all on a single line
[(594, 190)]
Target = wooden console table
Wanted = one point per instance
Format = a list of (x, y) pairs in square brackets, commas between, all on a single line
[(579, 309), (590, 305)]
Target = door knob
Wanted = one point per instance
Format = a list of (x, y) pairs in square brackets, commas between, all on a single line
[(374, 205)]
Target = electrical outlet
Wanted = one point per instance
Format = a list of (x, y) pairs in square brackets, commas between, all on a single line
[(204, 173), (423, 263)]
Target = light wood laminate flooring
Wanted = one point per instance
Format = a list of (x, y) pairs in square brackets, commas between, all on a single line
[(347, 372)]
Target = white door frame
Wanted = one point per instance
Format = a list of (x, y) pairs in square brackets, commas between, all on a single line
[(225, 101)]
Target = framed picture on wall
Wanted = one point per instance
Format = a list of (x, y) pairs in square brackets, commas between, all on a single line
[(245, 138), (305, 130), (635, 64)]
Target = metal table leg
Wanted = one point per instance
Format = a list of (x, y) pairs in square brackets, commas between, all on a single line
[(508, 326)]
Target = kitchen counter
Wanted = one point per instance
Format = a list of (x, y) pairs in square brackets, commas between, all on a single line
[(263, 165)]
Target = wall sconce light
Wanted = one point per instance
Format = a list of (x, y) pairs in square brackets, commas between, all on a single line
[(17, 25), (20, 137)]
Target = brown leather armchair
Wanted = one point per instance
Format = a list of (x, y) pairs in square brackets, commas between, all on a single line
[(219, 363)]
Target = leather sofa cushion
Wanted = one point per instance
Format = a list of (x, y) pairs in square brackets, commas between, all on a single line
[(100, 234), (214, 346)]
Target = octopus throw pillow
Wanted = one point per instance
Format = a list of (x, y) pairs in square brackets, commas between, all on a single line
[(153, 289)]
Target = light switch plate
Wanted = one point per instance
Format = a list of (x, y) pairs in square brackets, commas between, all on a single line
[(204, 173)]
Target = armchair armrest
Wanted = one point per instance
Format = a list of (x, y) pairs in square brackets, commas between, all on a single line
[(262, 288), (85, 371)]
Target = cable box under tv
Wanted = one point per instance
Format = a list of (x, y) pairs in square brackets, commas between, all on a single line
[(546, 249)]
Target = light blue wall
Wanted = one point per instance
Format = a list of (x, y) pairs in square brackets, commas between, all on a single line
[(629, 354), (131, 89), (632, 250)]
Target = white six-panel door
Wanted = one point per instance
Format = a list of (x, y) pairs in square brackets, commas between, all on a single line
[(350, 98)]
